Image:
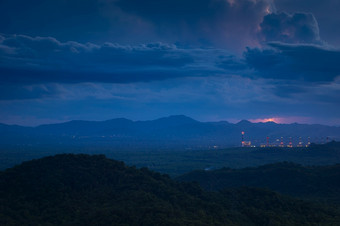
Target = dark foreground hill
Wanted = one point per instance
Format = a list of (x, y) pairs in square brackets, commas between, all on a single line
[(93, 190), (320, 183)]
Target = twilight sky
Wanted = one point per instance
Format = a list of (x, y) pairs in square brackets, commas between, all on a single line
[(211, 60)]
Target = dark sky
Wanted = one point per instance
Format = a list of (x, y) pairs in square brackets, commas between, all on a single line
[(208, 59)]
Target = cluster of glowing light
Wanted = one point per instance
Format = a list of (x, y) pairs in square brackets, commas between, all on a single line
[(276, 120), (284, 120)]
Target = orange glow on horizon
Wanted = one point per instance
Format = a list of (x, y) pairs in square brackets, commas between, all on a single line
[(283, 120), (276, 120)]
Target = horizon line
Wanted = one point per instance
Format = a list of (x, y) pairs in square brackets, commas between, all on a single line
[(252, 121)]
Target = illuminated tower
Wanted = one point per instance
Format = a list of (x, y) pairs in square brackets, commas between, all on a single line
[(300, 142), (267, 141), (290, 145), (308, 142), (281, 143), (242, 139)]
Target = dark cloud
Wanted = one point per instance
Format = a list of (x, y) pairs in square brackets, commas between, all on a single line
[(65, 19), (326, 12), (233, 24), (226, 23), (232, 64), (44, 59), (311, 63), (290, 28), (222, 22)]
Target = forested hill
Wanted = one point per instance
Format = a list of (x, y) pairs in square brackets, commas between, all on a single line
[(93, 190), (318, 182)]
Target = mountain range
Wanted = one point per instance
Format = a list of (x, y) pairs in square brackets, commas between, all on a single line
[(168, 132)]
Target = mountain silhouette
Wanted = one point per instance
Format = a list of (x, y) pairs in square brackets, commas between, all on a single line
[(172, 131)]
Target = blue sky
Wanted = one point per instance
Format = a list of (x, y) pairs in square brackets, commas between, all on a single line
[(208, 59)]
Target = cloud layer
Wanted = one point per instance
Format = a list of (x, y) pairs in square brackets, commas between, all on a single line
[(32, 60), (295, 62), (26, 59)]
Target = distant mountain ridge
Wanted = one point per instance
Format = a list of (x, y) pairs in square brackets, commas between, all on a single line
[(178, 130)]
